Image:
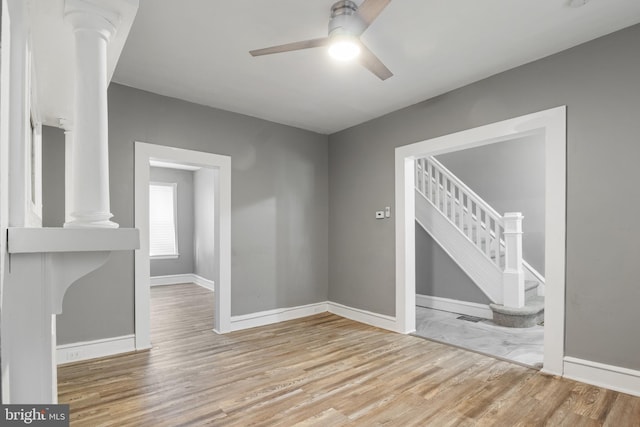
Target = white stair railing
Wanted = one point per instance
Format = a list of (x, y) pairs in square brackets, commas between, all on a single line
[(497, 237)]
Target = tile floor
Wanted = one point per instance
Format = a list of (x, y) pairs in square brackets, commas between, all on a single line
[(522, 345)]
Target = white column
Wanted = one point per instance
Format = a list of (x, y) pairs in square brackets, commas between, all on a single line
[(513, 276), (92, 28)]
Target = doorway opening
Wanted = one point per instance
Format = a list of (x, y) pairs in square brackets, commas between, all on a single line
[(551, 126), (215, 174), (182, 243), (461, 255)]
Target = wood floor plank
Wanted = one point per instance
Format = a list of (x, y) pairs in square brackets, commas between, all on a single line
[(322, 370)]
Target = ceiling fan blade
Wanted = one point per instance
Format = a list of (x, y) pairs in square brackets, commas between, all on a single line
[(305, 44), (371, 62), (370, 9)]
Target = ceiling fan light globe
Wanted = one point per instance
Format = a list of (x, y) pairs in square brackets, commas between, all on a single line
[(344, 49)]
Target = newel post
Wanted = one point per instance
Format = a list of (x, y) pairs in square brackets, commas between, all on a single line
[(513, 276)]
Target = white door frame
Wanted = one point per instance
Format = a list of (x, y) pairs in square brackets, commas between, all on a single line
[(144, 153), (551, 124)]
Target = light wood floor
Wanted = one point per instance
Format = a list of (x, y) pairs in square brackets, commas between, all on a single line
[(322, 370)]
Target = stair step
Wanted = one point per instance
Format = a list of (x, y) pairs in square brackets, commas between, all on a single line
[(523, 317), (530, 290)]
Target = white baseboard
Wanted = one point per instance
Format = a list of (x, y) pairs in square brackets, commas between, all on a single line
[(455, 306), (175, 279), (172, 279), (205, 283), (268, 317), (599, 374), (75, 352), (363, 316)]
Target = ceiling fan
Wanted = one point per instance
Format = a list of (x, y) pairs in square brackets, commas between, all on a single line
[(348, 21)]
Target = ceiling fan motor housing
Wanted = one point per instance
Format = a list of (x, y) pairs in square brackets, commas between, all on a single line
[(345, 19)]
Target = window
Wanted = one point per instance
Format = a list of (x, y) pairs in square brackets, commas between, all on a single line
[(163, 241)]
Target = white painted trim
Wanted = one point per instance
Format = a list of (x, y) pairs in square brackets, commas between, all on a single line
[(533, 273), (144, 153), (405, 241), (363, 316), (268, 317), (17, 106), (455, 306), (161, 257), (487, 276), (75, 352), (205, 283), (599, 374), (172, 165), (8, 103), (176, 279), (555, 238), (171, 279), (550, 123)]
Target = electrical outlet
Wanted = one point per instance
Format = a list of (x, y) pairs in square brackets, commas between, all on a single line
[(73, 355)]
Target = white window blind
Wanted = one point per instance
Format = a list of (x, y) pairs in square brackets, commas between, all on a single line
[(162, 220)]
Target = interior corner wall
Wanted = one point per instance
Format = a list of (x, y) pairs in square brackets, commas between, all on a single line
[(599, 82), (206, 212), (185, 220), (279, 209)]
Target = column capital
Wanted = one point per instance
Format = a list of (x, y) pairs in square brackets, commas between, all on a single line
[(94, 15)]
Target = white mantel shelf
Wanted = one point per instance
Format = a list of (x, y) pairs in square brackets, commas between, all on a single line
[(41, 240)]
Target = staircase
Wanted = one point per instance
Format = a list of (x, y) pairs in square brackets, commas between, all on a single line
[(485, 244)]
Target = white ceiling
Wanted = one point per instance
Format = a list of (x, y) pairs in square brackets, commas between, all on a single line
[(197, 50)]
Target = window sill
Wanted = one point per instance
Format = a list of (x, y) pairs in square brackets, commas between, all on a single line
[(160, 257)]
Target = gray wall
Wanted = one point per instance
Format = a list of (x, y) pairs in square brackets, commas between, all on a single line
[(510, 177), (438, 275), (207, 257), (600, 83), (185, 218), (52, 177), (279, 208)]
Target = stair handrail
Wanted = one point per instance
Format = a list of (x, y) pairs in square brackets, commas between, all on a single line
[(479, 200), (489, 223)]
